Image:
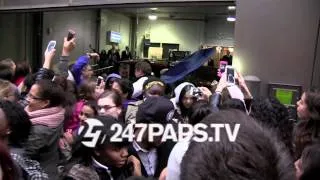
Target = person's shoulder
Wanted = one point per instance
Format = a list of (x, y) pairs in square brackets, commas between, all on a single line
[(135, 103), (78, 171)]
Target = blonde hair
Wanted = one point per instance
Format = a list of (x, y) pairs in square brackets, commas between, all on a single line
[(5, 88)]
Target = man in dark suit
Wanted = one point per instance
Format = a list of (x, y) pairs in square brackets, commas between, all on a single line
[(126, 54), (153, 155)]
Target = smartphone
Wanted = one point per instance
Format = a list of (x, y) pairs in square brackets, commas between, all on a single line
[(100, 79), (50, 47), (222, 68), (71, 34), (230, 75)]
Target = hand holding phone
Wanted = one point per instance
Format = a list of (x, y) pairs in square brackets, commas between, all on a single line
[(69, 43), (50, 47), (71, 35), (230, 75)]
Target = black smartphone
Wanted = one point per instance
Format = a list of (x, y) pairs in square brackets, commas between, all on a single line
[(70, 35)]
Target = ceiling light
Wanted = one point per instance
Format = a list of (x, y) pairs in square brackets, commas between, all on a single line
[(231, 19), (153, 17), (231, 7), (153, 9)]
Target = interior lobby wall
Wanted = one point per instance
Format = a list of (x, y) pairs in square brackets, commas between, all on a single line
[(275, 40), (111, 21)]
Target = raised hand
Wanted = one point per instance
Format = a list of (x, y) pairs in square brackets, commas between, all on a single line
[(68, 46), (136, 165), (48, 58)]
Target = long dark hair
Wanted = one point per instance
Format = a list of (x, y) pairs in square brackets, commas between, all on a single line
[(307, 132), (184, 111)]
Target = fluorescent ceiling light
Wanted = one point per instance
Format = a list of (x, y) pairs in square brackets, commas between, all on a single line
[(153, 17), (153, 9), (231, 7), (231, 19)]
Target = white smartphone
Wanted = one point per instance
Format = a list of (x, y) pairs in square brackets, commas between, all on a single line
[(230, 75), (51, 45)]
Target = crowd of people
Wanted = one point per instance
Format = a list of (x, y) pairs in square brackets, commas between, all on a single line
[(45, 126)]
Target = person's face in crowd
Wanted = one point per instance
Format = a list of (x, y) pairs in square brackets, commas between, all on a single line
[(87, 72), (155, 90), (116, 87), (124, 71), (113, 156), (146, 141), (302, 108), (36, 102), (298, 167), (12, 95), (127, 48), (86, 112), (4, 127), (108, 107), (138, 73), (188, 100), (113, 47)]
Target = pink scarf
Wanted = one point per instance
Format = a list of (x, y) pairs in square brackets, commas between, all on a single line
[(51, 117)]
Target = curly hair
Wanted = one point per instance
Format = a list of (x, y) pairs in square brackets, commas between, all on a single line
[(271, 113), (19, 122)]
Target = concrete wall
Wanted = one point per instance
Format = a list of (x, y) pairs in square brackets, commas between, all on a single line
[(56, 25), (111, 21), (15, 36), (219, 32), (275, 40), (189, 34), (316, 68)]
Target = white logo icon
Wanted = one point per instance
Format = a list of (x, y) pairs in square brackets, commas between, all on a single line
[(92, 131)]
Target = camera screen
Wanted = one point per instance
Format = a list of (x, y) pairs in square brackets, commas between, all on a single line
[(230, 75)]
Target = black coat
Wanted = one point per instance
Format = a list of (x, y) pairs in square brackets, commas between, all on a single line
[(163, 152), (125, 56)]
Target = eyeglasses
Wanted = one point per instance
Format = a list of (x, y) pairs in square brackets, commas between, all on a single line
[(33, 97), (106, 107)]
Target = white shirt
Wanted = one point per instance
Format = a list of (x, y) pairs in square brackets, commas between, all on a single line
[(148, 158), (96, 163), (138, 87), (175, 158)]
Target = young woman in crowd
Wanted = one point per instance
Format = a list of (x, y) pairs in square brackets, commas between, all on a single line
[(184, 99), (308, 166), (307, 130), (110, 104), (67, 142), (86, 92), (47, 114), (125, 88), (110, 79), (16, 127), (8, 91), (152, 87), (22, 70)]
